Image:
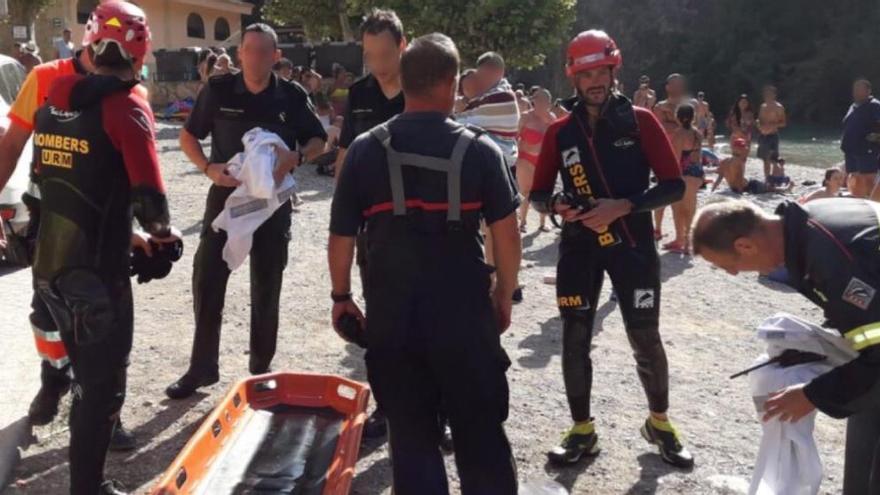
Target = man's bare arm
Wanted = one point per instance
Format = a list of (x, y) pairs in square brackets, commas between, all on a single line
[(340, 255), (507, 248), (11, 146), (313, 148), (192, 148), (722, 169)]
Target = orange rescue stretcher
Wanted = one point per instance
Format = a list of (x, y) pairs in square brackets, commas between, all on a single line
[(275, 433)]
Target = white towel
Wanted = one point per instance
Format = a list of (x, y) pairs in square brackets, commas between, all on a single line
[(788, 461), (256, 199)]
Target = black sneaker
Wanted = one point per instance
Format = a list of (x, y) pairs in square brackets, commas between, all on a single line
[(376, 427), (187, 385), (574, 447), (44, 407), (111, 487), (671, 449), (122, 440)]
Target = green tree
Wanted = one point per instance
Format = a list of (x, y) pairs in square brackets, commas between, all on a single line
[(524, 31), (24, 12), (321, 18)]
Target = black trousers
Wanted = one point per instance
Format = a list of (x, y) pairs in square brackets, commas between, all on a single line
[(434, 347), (861, 473), (268, 258), (635, 274), (96, 322)]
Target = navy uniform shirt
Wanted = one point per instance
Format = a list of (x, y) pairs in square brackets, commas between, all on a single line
[(367, 107), (364, 188), (226, 110)]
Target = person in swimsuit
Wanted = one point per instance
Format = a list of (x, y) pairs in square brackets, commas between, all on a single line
[(645, 97), (831, 187), (665, 111), (533, 125), (687, 143), (733, 170), (771, 118), (741, 120), (777, 181), (703, 115)]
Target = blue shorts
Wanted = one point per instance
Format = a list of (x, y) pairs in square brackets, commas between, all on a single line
[(857, 163)]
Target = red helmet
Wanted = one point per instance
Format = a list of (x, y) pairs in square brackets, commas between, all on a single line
[(591, 49), (122, 23)]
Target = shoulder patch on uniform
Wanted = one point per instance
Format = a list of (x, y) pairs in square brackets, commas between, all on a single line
[(859, 293)]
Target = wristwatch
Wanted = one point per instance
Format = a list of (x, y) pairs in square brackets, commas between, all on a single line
[(341, 298)]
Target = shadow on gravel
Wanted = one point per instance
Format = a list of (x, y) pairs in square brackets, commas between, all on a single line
[(652, 469), (673, 265), (567, 476), (48, 471), (6, 269), (169, 132), (375, 479), (548, 342), (195, 228)]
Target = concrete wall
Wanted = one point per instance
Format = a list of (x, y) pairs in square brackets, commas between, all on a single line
[(167, 22)]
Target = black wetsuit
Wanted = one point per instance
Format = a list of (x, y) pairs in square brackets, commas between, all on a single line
[(94, 147), (614, 160)]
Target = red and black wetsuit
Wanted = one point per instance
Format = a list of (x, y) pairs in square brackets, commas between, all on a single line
[(94, 149), (613, 160)]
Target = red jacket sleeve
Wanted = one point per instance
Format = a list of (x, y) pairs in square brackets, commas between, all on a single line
[(129, 122), (656, 146)]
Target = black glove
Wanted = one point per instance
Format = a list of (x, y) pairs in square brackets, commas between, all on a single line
[(158, 265)]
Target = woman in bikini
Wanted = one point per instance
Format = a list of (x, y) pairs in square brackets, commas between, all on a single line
[(533, 125), (741, 120), (687, 142)]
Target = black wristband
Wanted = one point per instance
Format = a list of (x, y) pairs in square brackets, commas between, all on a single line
[(341, 298)]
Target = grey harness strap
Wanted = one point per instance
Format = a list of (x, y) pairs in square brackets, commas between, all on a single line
[(451, 166)]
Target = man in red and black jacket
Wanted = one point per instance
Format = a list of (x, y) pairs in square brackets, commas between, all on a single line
[(95, 150), (606, 150)]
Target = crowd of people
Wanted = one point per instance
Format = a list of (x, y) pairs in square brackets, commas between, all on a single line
[(436, 168)]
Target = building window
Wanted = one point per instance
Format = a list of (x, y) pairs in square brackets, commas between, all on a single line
[(195, 26), (221, 29), (84, 9)]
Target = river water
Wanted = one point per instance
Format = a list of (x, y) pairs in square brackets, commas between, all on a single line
[(801, 145)]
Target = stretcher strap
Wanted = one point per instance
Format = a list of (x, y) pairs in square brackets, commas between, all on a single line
[(864, 336)]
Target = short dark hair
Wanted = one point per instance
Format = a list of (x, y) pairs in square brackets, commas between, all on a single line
[(770, 87), (110, 58), (728, 221), (864, 81), (262, 28), (379, 21), (673, 77), (428, 61), (492, 59), (283, 63)]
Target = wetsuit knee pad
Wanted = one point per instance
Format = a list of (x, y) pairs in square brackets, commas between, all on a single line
[(88, 299), (646, 341)]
